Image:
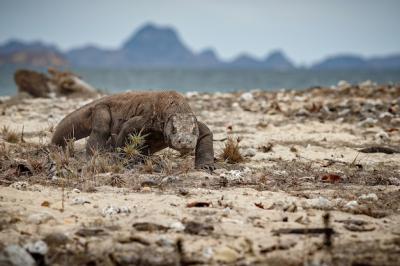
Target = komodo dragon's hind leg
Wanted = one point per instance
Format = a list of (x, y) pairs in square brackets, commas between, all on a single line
[(204, 155), (101, 123)]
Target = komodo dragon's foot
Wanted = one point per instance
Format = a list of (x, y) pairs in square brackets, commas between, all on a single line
[(207, 167)]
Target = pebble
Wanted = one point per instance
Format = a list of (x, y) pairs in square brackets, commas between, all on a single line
[(15, 255), (351, 205), (20, 185), (320, 203), (113, 210), (177, 226), (226, 254), (382, 136), (368, 122), (250, 152), (247, 96), (394, 181), (369, 197), (40, 218), (79, 201), (38, 247)]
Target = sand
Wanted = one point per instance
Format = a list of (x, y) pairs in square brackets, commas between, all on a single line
[(302, 163)]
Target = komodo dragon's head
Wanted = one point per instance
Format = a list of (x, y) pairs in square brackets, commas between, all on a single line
[(181, 132)]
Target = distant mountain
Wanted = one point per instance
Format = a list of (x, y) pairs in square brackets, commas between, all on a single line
[(341, 62), (92, 56), (155, 46), (34, 54), (392, 61), (276, 60), (345, 62)]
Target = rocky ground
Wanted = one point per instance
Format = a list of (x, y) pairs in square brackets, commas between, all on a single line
[(307, 191)]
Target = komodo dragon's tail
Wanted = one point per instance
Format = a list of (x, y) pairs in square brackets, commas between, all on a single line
[(76, 125)]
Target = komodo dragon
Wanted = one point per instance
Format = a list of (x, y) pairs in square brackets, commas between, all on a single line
[(165, 117)]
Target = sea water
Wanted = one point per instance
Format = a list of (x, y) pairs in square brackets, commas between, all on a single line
[(211, 80)]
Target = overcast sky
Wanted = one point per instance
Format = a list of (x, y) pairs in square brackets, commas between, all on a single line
[(306, 30)]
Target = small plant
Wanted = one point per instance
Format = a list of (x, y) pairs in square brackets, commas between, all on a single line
[(9, 135), (134, 146), (148, 166), (230, 152)]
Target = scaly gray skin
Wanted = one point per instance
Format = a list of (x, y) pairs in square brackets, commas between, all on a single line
[(165, 117)]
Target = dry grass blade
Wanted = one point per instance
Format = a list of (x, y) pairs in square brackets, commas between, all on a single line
[(10, 135), (230, 152)]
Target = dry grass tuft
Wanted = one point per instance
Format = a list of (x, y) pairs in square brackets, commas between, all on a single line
[(9, 135), (230, 152), (148, 166)]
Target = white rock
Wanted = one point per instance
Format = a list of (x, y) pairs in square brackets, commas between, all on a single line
[(177, 226), (39, 218), (249, 152), (190, 94), (79, 201), (247, 96), (14, 255), (114, 210), (343, 84), (38, 247), (382, 136), (75, 190), (351, 205), (394, 181), (368, 122), (366, 83), (20, 185), (320, 203), (208, 252), (369, 197), (170, 179)]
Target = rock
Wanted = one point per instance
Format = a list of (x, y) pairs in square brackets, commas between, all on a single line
[(20, 185), (225, 254), (38, 247), (247, 96), (75, 190), (351, 205), (368, 197), (320, 203), (386, 117), (249, 152), (367, 83), (170, 179), (191, 94), (368, 122), (302, 112), (382, 137), (40, 218), (394, 181), (79, 201), (342, 84), (56, 239), (177, 226), (14, 255), (196, 228), (114, 210)]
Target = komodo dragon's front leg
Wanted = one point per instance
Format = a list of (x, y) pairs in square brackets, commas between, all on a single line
[(134, 124), (101, 123), (204, 154)]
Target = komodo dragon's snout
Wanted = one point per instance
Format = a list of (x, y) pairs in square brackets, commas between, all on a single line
[(182, 132)]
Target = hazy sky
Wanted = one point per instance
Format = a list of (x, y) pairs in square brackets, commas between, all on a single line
[(306, 30)]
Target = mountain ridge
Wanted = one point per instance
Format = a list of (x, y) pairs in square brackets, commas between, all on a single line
[(161, 46)]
